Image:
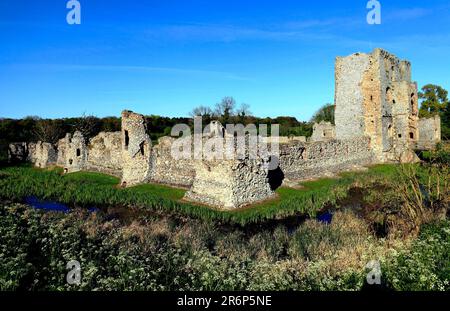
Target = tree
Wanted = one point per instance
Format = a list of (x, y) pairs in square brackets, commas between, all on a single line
[(88, 125), (325, 113), (225, 109), (434, 100), (244, 110), (201, 111), (49, 131)]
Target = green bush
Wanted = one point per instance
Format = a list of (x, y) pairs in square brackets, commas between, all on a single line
[(35, 247), (426, 266)]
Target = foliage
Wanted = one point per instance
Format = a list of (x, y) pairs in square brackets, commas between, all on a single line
[(325, 113), (426, 266), (48, 130), (166, 253), (88, 125), (434, 100), (144, 238)]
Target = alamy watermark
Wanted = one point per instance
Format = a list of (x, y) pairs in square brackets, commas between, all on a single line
[(374, 274), (374, 15), (73, 17), (73, 277), (234, 141)]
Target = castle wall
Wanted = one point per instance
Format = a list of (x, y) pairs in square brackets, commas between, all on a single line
[(105, 153), (300, 161), (429, 132), (75, 152), (323, 131), (17, 152), (42, 154), (62, 151), (230, 184), (167, 170), (283, 139), (349, 112), (136, 149)]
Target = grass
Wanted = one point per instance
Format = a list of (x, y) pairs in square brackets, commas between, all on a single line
[(99, 179), (96, 189), (315, 195), (165, 192)]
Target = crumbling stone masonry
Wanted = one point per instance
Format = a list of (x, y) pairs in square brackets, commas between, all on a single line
[(166, 170), (376, 98), (62, 151), (105, 153), (75, 152), (42, 154), (230, 184), (429, 133), (284, 139), (323, 131), (136, 149), (300, 161)]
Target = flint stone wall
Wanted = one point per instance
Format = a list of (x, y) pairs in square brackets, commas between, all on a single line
[(136, 149), (166, 169), (42, 154), (230, 184), (75, 152), (62, 151), (105, 153), (429, 132), (283, 139), (300, 161), (375, 97), (323, 131)]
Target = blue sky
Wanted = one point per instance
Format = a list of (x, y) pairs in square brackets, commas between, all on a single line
[(165, 57)]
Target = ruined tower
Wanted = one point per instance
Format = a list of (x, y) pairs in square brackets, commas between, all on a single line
[(75, 152), (136, 149), (375, 97)]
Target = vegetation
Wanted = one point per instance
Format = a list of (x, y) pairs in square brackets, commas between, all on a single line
[(167, 253), (435, 102), (325, 113), (95, 189)]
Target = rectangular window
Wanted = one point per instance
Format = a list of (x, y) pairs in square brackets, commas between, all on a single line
[(127, 140)]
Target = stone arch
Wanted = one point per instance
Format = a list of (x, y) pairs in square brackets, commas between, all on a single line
[(275, 177)]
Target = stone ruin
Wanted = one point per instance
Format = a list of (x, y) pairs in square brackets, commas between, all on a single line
[(230, 183), (375, 97), (74, 152), (376, 121), (136, 149), (429, 133), (323, 131)]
